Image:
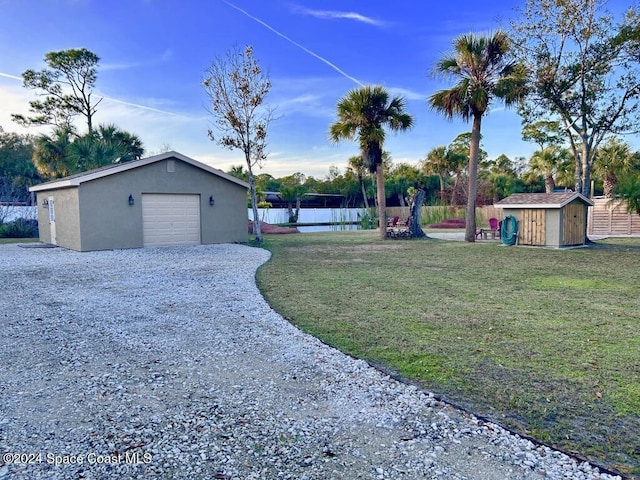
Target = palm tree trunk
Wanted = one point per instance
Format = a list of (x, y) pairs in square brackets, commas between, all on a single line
[(364, 193), (474, 148), (454, 193), (415, 229), (382, 201), (292, 217), (374, 182), (298, 205), (609, 184), (549, 183), (443, 195)]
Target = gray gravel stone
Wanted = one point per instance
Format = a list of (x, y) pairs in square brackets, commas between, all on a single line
[(168, 363)]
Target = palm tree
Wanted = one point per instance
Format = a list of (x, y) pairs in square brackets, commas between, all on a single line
[(566, 173), (356, 164), (66, 153), (127, 146), (50, 154), (105, 145), (238, 171), (613, 159), (548, 163), (480, 63), (437, 163), (628, 188), (363, 113)]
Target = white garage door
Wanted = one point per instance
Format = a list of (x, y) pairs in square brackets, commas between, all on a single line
[(170, 219)]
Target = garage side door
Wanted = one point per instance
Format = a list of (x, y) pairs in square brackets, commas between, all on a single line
[(170, 219)]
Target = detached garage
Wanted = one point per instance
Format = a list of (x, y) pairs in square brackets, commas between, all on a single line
[(167, 199)]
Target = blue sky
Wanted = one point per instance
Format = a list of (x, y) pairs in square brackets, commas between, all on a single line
[(154, 54)]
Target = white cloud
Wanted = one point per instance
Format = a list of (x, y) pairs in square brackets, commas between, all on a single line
[(164, 57), (334, 14), (155, 127), (158, 126), (15, 99), (305, 104), (408, 94)]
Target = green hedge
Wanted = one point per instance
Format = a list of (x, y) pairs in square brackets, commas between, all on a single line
[(19, 228)]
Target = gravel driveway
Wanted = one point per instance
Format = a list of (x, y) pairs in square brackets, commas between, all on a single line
[(168, 363)]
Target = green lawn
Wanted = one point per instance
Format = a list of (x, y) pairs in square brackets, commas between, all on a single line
[(17, 240), (545, 342)]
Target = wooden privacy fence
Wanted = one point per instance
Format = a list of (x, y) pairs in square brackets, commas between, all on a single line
[(610, 217)]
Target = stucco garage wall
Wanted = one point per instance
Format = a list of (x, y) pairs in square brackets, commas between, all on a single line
[(43, 218), (66, 210)]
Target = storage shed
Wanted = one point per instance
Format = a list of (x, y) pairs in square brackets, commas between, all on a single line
[(167, 199), (548, 219)]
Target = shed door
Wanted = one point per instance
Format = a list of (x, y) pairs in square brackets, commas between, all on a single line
[(573, 224), (532, 227), (170, 219)]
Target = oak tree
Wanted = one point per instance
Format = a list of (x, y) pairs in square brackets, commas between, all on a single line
[(584, 73)]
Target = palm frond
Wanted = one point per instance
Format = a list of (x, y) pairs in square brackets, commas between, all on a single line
[(364, 113)]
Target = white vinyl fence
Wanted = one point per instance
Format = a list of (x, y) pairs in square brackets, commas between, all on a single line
[(9, 213), (351, 216)]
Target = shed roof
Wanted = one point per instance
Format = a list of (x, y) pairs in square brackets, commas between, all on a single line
[(77, 179), (541, 200)]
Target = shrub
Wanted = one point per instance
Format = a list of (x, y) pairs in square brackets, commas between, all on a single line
[(19, 228), (368, 221)]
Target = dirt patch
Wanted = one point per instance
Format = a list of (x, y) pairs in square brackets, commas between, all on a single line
[(267, 228)]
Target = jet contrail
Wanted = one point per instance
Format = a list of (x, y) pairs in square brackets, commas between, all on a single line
[(13, 77), (141, 106), (136, 105), (323, 60)]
